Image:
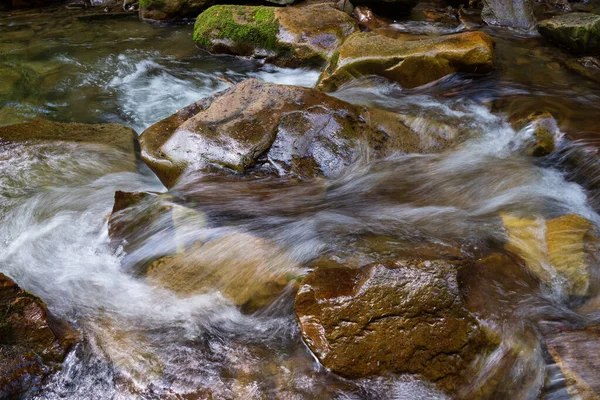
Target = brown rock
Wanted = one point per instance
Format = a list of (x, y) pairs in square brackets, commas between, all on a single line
[(32, 342), (410, 63), (577, 353), (402, 316), (544, 133), (297, 131)]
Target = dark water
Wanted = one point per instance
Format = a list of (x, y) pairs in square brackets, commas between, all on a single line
[(144, 342)]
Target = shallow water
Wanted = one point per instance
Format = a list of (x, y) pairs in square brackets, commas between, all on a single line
[(141, 341)]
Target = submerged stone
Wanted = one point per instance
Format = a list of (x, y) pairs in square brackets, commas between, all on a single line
[(558, 251), (577, 31), (588, 67), (410, 63), (291, 130), (290, 36), (32, 342), (399, 317), (106, 135), (249, 271)]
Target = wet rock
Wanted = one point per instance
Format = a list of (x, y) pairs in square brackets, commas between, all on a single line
[(292, 130), (249, 271), (558, 251), (577, 31), (388, 7), (290, 36), (32, 342), (129, 349), (410, 63), (497, 288), (544, 132), (402, 316), (107, 135), (165, 10), (512, 13), (588, 67), (136, 216), (577, 353), (367, 20)]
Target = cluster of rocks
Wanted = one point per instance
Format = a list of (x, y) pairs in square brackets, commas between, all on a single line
[(406, 315)]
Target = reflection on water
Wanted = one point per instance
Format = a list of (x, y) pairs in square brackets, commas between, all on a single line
[(142, 340)]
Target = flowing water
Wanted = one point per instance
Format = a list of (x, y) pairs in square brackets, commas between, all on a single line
[(142, 341)]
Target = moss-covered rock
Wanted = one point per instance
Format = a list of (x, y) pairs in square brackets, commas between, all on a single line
[(284, 129), (399, 317), (106, 135), (410, 63), (578, 31), (165, 10), (291, 36), (32, 342)]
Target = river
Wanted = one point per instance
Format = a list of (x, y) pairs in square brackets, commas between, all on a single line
[(145, 342)]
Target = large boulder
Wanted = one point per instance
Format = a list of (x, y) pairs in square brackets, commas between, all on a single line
[(32, 342), (410, 63), (399, 317), (111, 136), (512, 13), (577, 31), (165, 10), (290, 36), (289, 129), (559, 251), (249, 271)]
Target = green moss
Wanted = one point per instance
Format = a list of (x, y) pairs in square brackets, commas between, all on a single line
[(240, 24)]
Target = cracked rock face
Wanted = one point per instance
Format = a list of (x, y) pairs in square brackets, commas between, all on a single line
[(400, 317)]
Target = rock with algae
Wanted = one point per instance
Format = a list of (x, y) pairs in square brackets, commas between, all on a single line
[(290, 36)]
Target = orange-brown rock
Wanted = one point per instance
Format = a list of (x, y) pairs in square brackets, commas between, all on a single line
[(32, 342), (402, 317), (410, 63)]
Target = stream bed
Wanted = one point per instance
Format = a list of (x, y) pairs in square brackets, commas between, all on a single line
[(141, 341)]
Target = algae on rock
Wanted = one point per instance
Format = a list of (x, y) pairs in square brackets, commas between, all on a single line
[(291, 36)]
